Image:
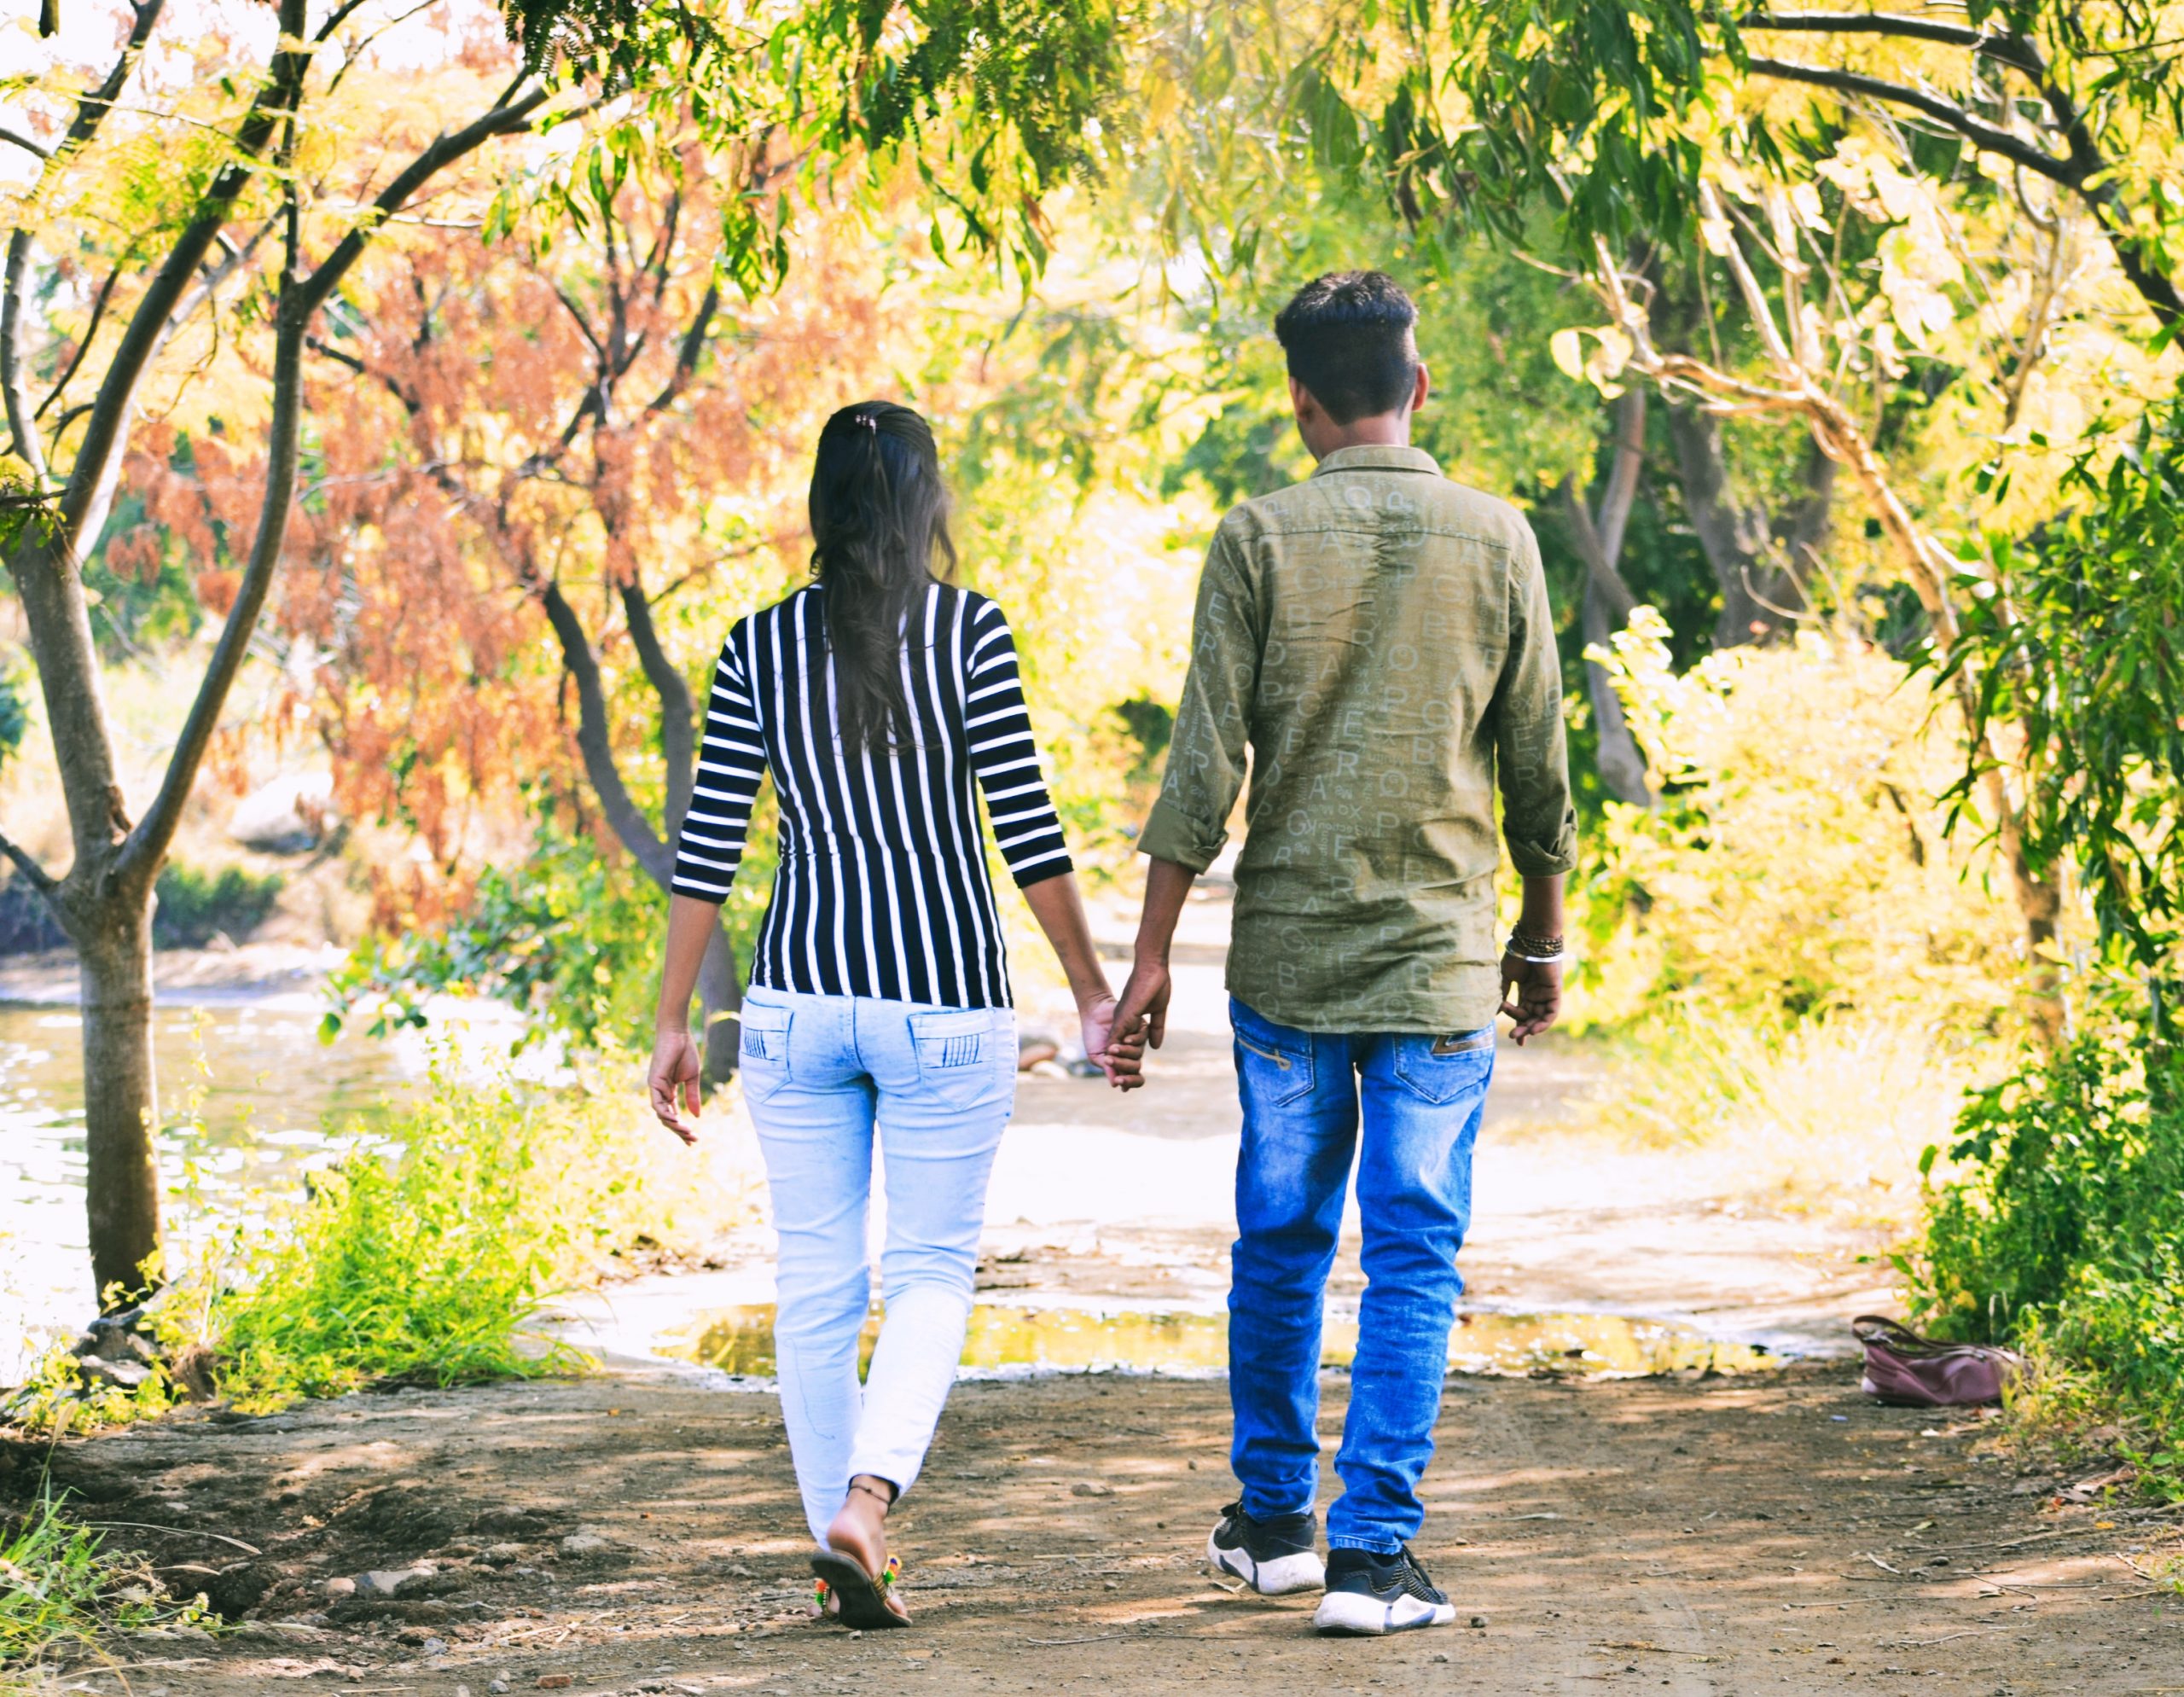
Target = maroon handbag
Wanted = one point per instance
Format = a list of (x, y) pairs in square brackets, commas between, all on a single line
[(1909, 1371)]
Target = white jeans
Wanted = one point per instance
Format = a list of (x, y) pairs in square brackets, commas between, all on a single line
[(820, 1073)]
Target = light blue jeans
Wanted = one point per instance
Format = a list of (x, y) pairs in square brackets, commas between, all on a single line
[(820, 1074), (1422, 1098)]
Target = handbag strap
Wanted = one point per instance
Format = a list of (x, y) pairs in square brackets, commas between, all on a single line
[(1878, 1331)]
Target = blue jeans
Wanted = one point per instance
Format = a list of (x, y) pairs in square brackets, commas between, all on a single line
[(1422, 1099), (819, 1073)]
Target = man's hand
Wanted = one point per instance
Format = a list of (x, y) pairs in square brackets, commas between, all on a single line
[(1539, 995), (674, 1080), (1142, 1012)]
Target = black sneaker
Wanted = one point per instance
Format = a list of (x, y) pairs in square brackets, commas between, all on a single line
[(1368, 1595), (1273, 1557)]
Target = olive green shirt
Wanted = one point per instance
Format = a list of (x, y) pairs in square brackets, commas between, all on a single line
[(1381, 638)]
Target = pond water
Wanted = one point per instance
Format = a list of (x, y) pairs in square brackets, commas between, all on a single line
[(1003, 1339), (271, 1099)]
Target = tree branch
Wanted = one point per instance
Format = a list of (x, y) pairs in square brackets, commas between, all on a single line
[(2000, 45), (93, 105), (687, 355), (301, 297), (678, 746), (92, 109), (90, 330), (1622, 489), (22, 423), (583, 324), (595, 744), (34, 875), (1947, 113), (1747, 282), (104, 436), (327, 349), (147, 843), (24, 142), (2086, 172), (1601, 578), (502, 120)]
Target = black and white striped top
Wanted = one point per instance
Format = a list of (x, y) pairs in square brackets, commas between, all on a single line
[(882, 889)]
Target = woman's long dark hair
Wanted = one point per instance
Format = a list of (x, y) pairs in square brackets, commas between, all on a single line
[(878, 512)]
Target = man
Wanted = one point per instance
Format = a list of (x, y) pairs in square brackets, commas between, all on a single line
[(1381, 639)]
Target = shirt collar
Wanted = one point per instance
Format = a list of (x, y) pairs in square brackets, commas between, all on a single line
[(1375, 457)]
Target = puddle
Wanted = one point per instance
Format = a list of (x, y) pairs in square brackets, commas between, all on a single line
[(740, 1340)]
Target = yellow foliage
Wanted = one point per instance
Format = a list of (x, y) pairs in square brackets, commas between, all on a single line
[(1797, 868)]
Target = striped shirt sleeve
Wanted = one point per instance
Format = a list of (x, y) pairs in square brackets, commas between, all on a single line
[(1026, 827), (731, 762)]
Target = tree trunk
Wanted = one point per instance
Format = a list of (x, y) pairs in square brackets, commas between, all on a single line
[(120, 1100), (720, 997), (1608, 600), (1733, 534), (1622, 765)]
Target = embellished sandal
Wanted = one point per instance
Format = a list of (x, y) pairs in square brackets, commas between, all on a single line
[(843, 1591)]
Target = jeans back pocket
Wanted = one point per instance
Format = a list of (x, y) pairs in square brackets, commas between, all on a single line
[(764, 1048), (1443, 1070), (962, 1051)]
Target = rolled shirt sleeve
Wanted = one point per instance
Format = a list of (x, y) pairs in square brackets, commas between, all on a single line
[(1532, 762), (1189, 822)]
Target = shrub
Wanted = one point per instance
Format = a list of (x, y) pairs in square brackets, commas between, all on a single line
[(1796, 867), (424, 1251), (428, 1251), (570, 937), (2064, 1234), (194, 905)]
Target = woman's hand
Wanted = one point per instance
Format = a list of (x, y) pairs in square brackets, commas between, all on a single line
[(675, 1075), (1122, 1058)]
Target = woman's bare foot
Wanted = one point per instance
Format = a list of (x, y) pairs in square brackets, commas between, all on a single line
[(859, 1529)]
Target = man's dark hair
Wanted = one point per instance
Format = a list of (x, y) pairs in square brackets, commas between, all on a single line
[(1348, 336)]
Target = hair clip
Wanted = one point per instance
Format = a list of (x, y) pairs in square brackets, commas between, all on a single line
[(869, 422)]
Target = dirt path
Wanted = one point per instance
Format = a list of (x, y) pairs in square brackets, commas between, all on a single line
[(1773, 1533), (638, 1532)]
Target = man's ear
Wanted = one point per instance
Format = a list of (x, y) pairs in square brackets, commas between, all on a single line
[(1421, 385), (1302, 403)]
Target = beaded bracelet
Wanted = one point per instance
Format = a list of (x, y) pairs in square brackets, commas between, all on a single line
[(1535, 951)]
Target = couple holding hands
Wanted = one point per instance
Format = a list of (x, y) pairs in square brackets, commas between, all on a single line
[(1377, 640)]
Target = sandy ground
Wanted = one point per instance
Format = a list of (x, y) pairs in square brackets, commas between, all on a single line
[(1723, 1535)]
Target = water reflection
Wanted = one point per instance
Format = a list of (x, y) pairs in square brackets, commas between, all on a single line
[(266, 1090), (740, 1340)]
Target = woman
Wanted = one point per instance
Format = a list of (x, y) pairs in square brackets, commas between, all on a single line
[(878, 698)]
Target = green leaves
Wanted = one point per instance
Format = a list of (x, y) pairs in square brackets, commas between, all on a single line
[(994, 103), (2081, 655), (2066, 1236)]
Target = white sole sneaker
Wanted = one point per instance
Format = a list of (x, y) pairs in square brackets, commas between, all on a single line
[(1355, 1615), (1303, 1572)]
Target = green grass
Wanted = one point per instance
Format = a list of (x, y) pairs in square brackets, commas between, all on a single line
[(60, 1590)]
